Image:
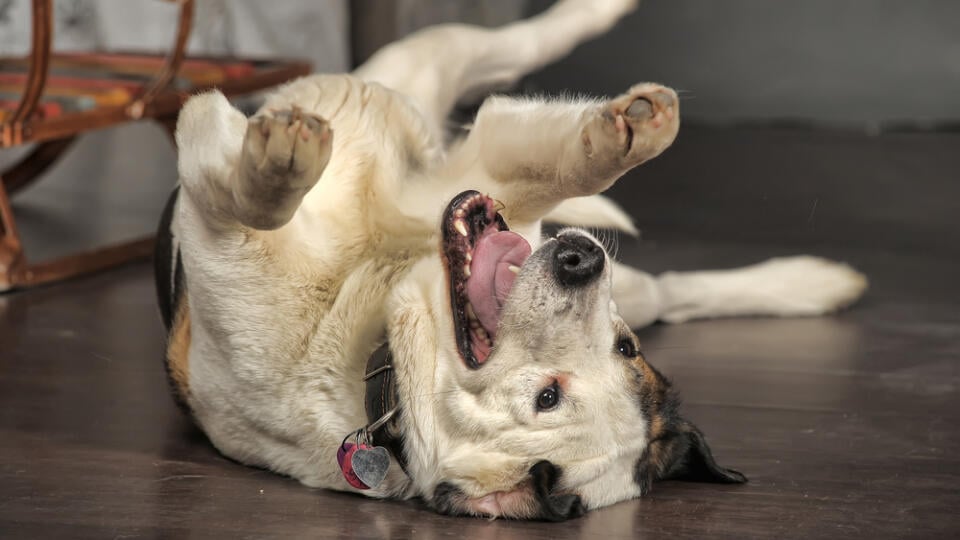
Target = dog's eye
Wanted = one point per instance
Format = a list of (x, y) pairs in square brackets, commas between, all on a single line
[(548, 398), (626, 347)]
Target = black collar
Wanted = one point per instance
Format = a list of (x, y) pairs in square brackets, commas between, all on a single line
[(381, 398)]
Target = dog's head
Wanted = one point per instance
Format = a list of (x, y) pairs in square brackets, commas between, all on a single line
[(547, 406)]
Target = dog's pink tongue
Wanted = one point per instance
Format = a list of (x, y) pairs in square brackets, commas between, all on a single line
[(490, 276)]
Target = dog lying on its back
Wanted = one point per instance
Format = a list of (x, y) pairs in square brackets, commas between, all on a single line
[(333, 227)]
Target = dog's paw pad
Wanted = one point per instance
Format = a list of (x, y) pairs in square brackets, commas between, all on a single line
[(633, 127), (640, 109), (281, 142)]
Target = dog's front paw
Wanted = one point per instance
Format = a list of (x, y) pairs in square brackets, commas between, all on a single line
[(632, 128), (287, 146), (284, 153)]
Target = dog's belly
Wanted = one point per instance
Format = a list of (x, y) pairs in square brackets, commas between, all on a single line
[(269, 355)]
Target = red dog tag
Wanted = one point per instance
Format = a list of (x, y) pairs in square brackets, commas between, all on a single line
[(363, 466), (345, 459)]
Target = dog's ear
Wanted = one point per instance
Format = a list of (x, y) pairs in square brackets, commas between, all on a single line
[(681, 453), (532, 498), (553, 507)]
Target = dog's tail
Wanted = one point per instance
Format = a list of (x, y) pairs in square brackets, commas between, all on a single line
[(592, 211)]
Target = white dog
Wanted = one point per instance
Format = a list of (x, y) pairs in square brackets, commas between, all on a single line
[(334, 227)]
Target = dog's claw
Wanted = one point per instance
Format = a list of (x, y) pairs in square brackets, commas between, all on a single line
[(289, 140)]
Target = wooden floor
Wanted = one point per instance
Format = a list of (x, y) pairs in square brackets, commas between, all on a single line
[(848, 426)]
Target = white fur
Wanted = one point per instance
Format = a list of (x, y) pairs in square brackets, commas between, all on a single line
[(593, 211), (788, 286), (291, 291)]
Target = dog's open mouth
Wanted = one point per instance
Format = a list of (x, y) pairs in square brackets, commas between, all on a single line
[(483, 259)]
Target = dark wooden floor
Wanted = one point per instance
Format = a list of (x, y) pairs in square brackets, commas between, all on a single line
[(848, 425)]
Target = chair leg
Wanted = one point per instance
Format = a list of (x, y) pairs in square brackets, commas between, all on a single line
[(86, 263), (11, 250), (16, 273), (34, 164)]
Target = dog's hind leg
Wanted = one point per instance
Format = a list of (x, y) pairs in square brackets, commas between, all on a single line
[(439, 65), (253, 172), (593, 211), (783, 287), (637, 295)]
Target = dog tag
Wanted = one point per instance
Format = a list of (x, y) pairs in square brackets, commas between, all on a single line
[(370, 464), (345, 460), (363, 466)]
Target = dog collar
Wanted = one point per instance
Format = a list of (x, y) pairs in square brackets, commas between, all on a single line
[(382, 404), (365, 462)]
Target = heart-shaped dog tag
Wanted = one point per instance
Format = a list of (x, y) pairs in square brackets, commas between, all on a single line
[(370, 464)]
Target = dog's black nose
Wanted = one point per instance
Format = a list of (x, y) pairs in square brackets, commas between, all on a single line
[(577, 260)]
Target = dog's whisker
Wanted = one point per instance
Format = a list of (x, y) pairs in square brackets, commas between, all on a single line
[(609, 240)]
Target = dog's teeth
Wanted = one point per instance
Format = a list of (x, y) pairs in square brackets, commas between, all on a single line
[(461, 227), (513, 268), (468, 256), (482, 334), (466, 270), (472, 317), (459, 213)]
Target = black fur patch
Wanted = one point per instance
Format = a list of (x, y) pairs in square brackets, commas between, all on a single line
[(448, 499), (553, 507), (170, 284), (445, 499), (167, 268)]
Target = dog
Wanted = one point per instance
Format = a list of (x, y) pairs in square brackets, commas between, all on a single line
[(353, 302)]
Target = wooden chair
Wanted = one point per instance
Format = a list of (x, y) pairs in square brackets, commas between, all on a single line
[(115, 88)]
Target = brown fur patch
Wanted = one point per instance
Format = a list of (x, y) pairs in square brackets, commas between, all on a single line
[(178, 349), (659, 405), (653, 392), (676, 448)]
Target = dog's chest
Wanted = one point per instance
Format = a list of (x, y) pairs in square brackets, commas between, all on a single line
[(355, 318)]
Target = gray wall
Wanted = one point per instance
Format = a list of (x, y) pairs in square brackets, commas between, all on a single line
[(847, 62), (375, 23)]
